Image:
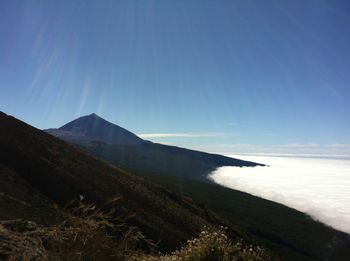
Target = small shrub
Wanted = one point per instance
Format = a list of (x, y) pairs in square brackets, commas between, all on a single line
[(84, 233), (88, 233), (211, 245)]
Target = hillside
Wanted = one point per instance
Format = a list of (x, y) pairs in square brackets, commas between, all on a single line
[(143, 156), (287, 232), (39, 171)]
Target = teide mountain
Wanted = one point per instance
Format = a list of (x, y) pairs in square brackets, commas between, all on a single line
[(289, 233), (39, 171), (93, 134), (92, 128)]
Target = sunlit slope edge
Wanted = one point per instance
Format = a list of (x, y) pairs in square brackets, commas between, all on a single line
[(55, 172)]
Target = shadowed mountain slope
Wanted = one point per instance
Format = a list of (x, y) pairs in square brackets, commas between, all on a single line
[(39, 171), (93, 128), (289, 233), (18, 199), (145, 155)]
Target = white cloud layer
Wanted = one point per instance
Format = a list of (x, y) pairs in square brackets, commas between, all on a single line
[(318, 187), (182, 135), (335, 149)]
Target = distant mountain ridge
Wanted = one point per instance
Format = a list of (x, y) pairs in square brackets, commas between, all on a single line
[(125, 149), (92, 128)]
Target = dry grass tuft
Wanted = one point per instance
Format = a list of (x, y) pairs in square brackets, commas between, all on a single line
[(211, 244), (88, 233)]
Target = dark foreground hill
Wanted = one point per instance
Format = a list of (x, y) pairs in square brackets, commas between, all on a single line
[(94, 134), (40, 173), (289, 233)]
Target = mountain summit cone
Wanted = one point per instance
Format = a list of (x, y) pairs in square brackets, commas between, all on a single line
[(92, 128)]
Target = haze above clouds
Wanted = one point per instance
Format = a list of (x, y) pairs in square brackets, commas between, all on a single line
[(318, 187), (224, 76)]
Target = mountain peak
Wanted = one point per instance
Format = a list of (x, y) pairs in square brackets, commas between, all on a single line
[(92, 127), (91, 116)]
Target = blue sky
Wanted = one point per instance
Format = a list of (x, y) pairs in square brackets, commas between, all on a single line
[(214, 75)]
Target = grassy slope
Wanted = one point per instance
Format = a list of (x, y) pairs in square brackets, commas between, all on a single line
[(18, 199), (287, 232), (61, 173)]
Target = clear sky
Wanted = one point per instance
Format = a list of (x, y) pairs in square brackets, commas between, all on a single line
[(218, 75)]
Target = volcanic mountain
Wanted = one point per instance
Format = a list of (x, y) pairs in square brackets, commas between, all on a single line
[(125, 149), (39, 172), (289, 233), (92, 128)]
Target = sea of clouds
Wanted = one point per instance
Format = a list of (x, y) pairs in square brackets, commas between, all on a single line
[(319, 187)]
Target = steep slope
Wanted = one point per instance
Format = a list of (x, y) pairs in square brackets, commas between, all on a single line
[(18, 199), (55, 172), (145, 155), (93, 128), (287, 232), (163, 159)]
